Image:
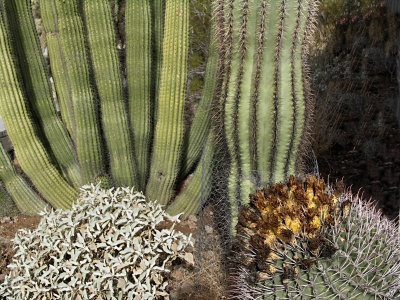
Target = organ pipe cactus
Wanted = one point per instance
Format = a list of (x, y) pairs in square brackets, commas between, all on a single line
[(254, 101)]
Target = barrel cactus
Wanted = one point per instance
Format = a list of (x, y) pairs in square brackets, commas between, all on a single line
[(304, 241), (110, 245)]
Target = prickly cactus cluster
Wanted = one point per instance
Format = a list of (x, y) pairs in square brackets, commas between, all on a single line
[(302, 240), (109, 246)]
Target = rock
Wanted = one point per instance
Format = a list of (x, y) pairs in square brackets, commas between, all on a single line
[(192, 218)]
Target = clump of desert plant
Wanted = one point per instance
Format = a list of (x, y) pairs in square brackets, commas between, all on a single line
[(109, 245), (303, 240)]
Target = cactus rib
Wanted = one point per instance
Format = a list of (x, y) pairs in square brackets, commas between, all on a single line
[(107, 71)]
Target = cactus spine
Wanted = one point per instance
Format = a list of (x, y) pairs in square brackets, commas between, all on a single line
[(262, 93), (27, 201), (168, 138), (29, 151), (138, 64), (107, 71), (86, 123), (37, 86)]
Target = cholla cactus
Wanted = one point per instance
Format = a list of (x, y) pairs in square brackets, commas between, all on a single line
[(348, 251), (109, 245)]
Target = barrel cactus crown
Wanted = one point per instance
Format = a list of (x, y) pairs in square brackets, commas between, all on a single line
[(111, 245), (304, 241)]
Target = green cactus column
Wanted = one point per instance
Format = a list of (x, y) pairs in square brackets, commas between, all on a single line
[(37, 86), (86, 119), (58, 66), (27, 201), (108, 77), (29, 151), (263, 98), (7, 205), (139, 72), (169, 129)]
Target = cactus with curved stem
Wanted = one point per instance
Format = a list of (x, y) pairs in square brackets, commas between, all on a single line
[(138, 65), (168, 136), (29, 151), (26, 199), (37, 85), (107, 71)]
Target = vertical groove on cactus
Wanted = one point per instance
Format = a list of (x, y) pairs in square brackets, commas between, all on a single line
[(255, 92), (37, 86), (58, 64), (200, 128), (139, 64), (168, 139), (87, 131), (296, 90), (108, 77), (29, 151), (27, 201), (276, 86), (304, 143), (158, 19), (199, 186)]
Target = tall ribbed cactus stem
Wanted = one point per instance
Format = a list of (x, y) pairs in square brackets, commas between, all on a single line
[(263, 94), (37, 85), (138, 65), (29, 151), (86, 119), (168, 138), (108, 77)]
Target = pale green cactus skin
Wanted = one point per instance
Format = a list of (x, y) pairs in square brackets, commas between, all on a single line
[(265, 104), (364, 263)]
